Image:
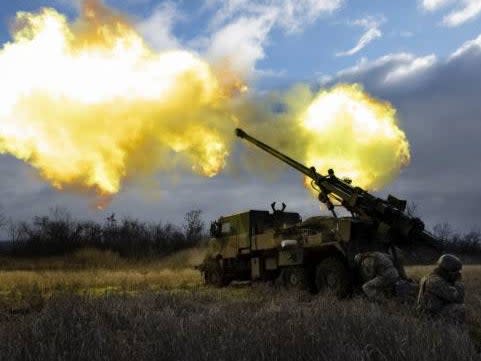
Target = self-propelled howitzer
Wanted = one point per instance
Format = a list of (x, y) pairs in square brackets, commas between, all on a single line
[(317, 253), (389, 216)]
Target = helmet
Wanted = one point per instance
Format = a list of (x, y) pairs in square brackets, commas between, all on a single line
[(449, 263)]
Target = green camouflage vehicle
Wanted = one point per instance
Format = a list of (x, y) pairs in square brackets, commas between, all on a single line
[(317, 253), (277, 246)]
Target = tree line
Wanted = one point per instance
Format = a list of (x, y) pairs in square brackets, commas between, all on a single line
[(59, 234), (455, 242)]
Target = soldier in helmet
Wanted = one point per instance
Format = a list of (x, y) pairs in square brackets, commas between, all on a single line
[(441, 293), (378, 274)]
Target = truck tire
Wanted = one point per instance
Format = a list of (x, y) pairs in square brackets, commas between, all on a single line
[(294, 278), (332, 276)]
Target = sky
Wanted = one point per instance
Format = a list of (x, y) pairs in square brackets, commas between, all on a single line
[(423, 56)]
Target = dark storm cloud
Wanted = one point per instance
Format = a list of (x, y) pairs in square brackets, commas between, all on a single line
[(24, 195), (221, 195), (439, 106)]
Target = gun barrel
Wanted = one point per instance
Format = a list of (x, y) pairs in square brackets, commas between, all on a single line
[(294, 164), (356, 200)]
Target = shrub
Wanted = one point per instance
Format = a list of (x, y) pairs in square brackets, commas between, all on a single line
[(94, 258), (58, 234)]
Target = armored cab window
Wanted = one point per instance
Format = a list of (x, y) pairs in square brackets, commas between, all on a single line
[(226, 228)]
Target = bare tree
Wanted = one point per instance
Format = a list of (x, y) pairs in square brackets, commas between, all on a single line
[(193, 226), (13, 231), (61, 214), (443, 231)]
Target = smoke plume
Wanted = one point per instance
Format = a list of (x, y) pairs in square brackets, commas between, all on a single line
[(89, 104)]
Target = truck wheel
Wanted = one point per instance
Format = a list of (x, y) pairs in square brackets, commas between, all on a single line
[(332, 276), (294, 278)]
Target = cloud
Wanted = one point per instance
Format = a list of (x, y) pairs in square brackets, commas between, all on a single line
[(411, 69), (239, 29), (465, 10), (366, 38), (390, 70), (433, 5), (471, 46), (438, 107), (372, 32), (469, 10), (290, 15), (295, 14), (157, 29), (240, 43)]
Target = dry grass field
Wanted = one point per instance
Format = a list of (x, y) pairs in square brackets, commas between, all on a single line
[(96, 306)]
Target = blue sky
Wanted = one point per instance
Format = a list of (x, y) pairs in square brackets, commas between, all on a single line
[(424, 56), (309, 51)]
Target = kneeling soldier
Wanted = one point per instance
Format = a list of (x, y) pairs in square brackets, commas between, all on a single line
[(441, 293), (378, 274)]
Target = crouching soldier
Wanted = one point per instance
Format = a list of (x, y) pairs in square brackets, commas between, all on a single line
[(378, 273), (441, 293)]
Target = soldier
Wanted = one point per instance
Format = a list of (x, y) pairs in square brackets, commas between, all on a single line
[(378, 274), (441, 293)]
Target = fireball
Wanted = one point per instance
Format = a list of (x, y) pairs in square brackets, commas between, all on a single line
[(356, 135), (89, 103)]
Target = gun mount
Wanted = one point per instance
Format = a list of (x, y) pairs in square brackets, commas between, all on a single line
[(388, 215)]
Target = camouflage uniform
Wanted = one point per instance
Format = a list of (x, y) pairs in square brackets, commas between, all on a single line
[(441, 293), (378, 274)]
